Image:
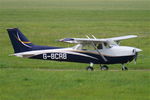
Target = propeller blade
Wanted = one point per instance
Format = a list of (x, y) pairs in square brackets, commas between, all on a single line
[(135, 57)]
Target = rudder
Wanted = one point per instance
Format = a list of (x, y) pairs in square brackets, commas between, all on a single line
[(19, 41)]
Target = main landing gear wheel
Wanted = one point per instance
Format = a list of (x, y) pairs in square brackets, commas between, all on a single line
[(89, 68), (124, 68), (104, 67)]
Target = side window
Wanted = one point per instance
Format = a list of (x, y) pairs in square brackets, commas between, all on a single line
[(99, 46), (88, 47), (107, 45)]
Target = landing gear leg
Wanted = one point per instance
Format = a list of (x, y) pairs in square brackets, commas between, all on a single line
[(124, 68), (90, 68), (104, 67)]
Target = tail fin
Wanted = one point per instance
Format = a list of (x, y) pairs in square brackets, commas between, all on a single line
[(19, 41)]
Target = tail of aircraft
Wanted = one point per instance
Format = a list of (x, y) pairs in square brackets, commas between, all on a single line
[(19, 41), (22, 44)]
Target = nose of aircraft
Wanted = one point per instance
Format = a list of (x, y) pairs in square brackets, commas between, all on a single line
[(135, 52), (138, 50)]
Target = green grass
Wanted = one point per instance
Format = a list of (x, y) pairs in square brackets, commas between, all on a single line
[(43, 22), (40, 84)]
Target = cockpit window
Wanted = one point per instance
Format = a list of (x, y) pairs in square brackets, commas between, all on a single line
[(103, 45), (100, 46), (107, 45)]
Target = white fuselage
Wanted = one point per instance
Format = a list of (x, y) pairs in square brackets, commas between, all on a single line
[(63, 54)]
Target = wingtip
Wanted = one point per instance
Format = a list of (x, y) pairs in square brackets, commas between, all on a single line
[(134, 35)]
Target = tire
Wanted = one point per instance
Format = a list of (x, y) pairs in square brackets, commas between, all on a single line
[(124, 68), (104, 67), (89, 68)]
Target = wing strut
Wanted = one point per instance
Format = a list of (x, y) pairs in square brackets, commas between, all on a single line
[(97, 49)]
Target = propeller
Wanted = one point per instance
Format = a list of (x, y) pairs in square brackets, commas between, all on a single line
[(135, 55)]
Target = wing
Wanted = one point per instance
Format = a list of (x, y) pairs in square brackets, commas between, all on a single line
[(122, 37), (82, 40), (89, 40)]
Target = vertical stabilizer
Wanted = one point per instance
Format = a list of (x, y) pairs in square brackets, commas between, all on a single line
[(19, 41)]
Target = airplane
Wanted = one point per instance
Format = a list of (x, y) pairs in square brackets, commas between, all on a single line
[(87, 50)]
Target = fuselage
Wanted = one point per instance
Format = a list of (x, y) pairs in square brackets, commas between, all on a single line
[(114, 55)]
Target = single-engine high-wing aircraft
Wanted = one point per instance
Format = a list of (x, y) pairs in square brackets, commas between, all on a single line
[(87, 50)]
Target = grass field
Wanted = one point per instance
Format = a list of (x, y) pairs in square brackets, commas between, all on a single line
[(43, 22), (39, 84)]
